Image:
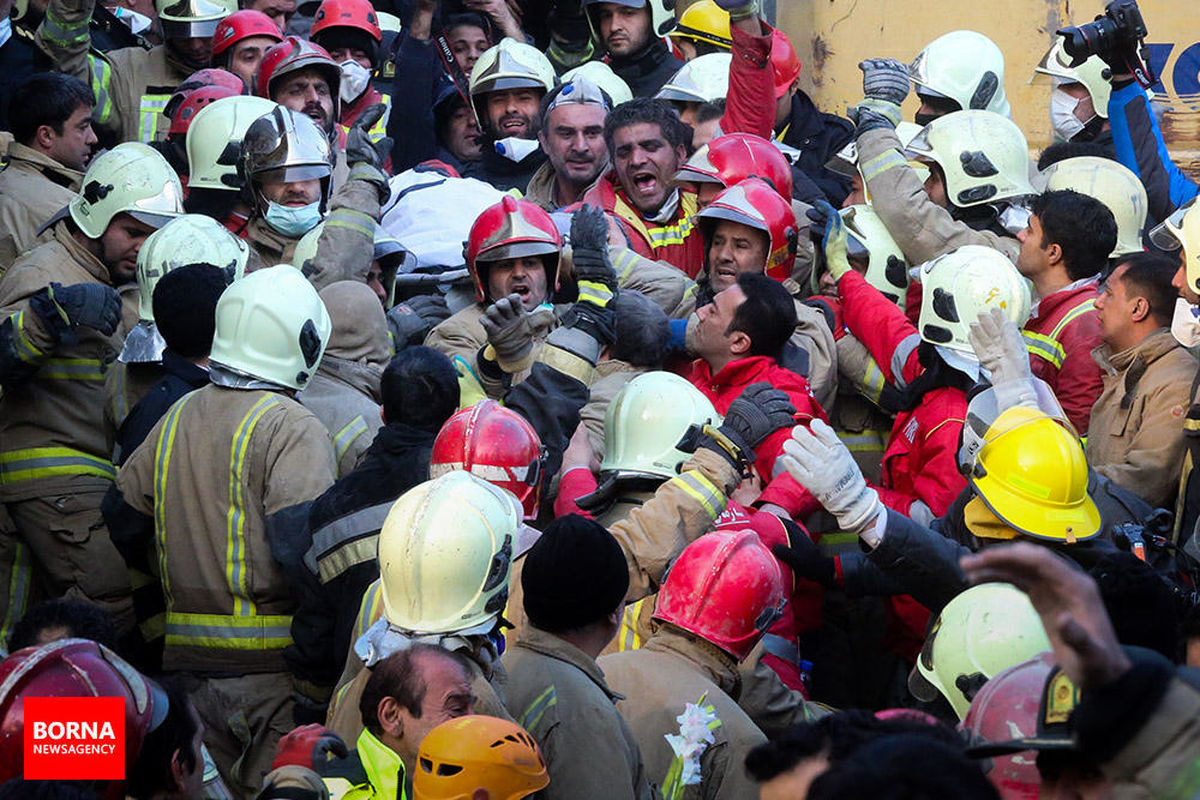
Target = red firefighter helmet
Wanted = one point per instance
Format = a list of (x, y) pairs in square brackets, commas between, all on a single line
[(356, 14), (74, 668), (755, 203), (202, 79), (785, 62), (181, 120), (496, 444), (726, 588), (292, 55), (731, 159), (1007, 707), (512, 229), (242, 25)]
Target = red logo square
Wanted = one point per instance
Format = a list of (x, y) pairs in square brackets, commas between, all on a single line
[(74, 738)]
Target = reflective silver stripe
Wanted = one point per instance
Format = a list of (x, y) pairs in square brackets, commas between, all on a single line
[(17, 469), (229, 633), (343, 531), (701, 488), (150, 108), (882, 163), (781, 648), (900, 357)]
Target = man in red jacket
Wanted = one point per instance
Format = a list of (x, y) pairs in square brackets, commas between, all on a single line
[(1062, 253), (738, 338)]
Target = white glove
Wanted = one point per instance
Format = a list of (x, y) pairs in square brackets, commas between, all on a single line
[(816, 458), (1000, 348)]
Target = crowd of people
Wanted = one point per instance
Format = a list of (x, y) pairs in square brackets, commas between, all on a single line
[(503, 398)]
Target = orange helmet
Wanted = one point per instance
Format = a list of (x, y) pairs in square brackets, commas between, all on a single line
[(181, 120), (726, 588), (755, 203), (292, 55), (74, 668), (511, 229), (202, 79), (734, 157), (242, 25), (496, 444), (466, 754), (785, 62)]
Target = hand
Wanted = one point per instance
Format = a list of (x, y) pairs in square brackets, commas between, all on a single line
[(1067, 600), (91, 305), (817, 460), (830, 221), (501, 13), (510, 331), (413, 319), (807, 561), (589, 252), (579, 452), (309, 746), (759, 411), (1000, 347), (359, 147), (738, 9), (885, 79)]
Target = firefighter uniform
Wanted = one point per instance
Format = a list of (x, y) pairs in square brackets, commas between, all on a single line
[(33, 188)]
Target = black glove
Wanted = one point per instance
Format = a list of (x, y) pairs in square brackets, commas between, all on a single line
[(598, 322), (359, 147), (92, 305), (758, 412), (589, 252), (807, 561), (413, 319)]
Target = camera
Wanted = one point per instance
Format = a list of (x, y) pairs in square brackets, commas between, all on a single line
[(1120, 31)]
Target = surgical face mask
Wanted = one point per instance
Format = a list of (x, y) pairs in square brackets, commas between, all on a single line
[(294, 222), (1185, 326), (1062, 114), (355, 78)]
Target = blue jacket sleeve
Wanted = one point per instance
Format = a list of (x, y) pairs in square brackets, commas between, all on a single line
[(1140, 146)]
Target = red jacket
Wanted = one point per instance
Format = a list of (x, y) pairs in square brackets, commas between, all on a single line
[(1060, 340), (724, 387), (678, 242), (921, 459)]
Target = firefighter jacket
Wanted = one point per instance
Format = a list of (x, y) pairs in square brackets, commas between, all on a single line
[(1061, 336), (659, 681), (228, 476), (558, 693), (124, 385), (921, 458), (132, 85), (727, 385), (922, 229), (677, 241), (382, 771), (51, 412), (1135, 432), (33, 188)]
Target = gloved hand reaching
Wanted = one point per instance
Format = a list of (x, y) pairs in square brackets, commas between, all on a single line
[(589, 253), (816, 458), (759, 411), (411, 321), (1000, 347), (826, 217), (885, 85), (807, 561), (511, 331), (309, 746), (91, 305)]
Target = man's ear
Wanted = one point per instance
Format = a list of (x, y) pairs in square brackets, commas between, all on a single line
[(44, 137), (382, 415), (1140, 310), (1054, 253), (390, 718), (178, 772), (739, 343)]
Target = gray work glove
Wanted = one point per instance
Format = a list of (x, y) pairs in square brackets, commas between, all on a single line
[(411, 321), (91, 305), (885, 85), (589, 251), (817, 460), (511, 332)]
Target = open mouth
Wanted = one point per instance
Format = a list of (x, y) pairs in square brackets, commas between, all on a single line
[(521, 289), (645, 183), (513, 125)]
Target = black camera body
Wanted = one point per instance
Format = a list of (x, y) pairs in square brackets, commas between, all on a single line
[(1120, 32)]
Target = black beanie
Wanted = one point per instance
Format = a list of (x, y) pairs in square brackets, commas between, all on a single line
[(574, 575), (185, 307)]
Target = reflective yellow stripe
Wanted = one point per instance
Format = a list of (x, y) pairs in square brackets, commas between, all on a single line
[(26, 350), (629, 638), (596, 293), (19, 581), (1044, 347), (370, 610), (537, 709), (873, 382), (72, 369), (881, 163), (101, 86), (670, 234), (1072, 315), (235, 546), (704, 490), (229, 632), (352, 220), (149, 110), (348, 435), (47, 462), (63, 33), (865, 442), (119, 405), (162, 463)]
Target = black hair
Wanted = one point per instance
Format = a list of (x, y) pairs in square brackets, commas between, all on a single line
[(1061, 151), (935, 374), (185, 307), (46, 98), (642, 330), (336, 38), (471, 18), (152, 774), (904, 767), (768, 315), (707, 112), (419, 388), (1143, 607), (1149, 275), (399, 677), (1081, 225), (214, 203), (79, 618), (652, 111)]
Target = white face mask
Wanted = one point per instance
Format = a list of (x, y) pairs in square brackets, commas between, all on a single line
[(1062, 114), (355, 78), (1185, 327)]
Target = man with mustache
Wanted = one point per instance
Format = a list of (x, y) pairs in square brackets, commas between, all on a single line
[(572, 137), (303, 77)]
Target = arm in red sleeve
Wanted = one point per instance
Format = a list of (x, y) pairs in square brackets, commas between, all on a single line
[(881, 326), (780, 487), (934, 479), (574, 484), (750, 101), (1079, 383)]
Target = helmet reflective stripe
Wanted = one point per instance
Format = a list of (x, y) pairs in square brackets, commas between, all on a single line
[(1115, 186), (966, 67), (983, 156), (957, 287), (214, 141), (1093, 74), (132, 178), (701, 80)]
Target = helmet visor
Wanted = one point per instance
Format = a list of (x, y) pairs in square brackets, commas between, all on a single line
[(504, 252), (302, 172), (985, 410), (191, 29), (1165, 235)]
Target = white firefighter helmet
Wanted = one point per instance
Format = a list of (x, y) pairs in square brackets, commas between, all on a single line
[(868, 240), (983, 156), (1115, 186), (132, 179), (959, 286), (272, 325), (1093, 74), (662, 14), (192, 19), (187, 239), (1181, 231), (291, 147), (445, 552), (602, 75), (704, 79), (645, 422), (214, 141), (508, 65), (966, 67)]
